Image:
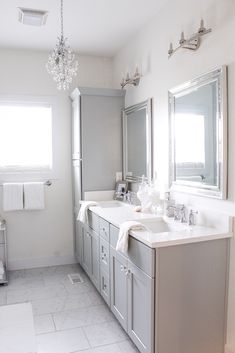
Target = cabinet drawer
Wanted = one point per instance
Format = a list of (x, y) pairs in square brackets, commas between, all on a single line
[(142, 256), (104, 255), (93, 221), (104, 229), (114, 233), (105, 286), (138, 253)]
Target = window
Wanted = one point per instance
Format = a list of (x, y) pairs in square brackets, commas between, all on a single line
[(26, 143)]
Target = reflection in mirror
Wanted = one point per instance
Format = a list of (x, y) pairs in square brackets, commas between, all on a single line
[(198, 123), (137, 149)]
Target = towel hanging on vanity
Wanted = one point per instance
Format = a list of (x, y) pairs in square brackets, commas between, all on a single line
[(34, 196), (123, 238), (12, 196), (82, 215)]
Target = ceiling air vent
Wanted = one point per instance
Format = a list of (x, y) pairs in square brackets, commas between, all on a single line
[(32, 17)]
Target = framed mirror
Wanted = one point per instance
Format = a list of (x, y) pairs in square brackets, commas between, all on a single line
[(198, 135), (137, 142)]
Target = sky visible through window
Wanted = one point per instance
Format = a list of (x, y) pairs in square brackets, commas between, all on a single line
[(25, 137)]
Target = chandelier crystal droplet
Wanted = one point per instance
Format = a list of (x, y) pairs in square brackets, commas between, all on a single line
[(61, 63)]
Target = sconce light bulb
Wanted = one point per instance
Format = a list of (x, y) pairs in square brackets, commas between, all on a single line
[(136, 74), (170, 51), (182, 39), (202, 29)]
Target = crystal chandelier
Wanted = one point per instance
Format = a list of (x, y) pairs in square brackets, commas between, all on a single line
[(61, 63)]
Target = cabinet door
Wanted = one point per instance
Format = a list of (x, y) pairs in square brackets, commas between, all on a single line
[(140, 309), (79, 229), (118, 278), (95, 264), (86, 251)]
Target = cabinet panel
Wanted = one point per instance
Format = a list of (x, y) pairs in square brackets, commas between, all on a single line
[(105, 286), (118, 286), (95, 264), (79, 229), (114, 233), (104, 229), (93, 221), (104, 255), (86, 251), (141, 309)]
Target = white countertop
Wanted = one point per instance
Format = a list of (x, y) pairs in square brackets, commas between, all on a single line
[(183, 235)]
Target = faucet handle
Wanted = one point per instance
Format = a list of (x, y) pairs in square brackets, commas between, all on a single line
[(191, 218)]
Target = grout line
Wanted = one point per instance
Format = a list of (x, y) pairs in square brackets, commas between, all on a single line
[(53, 321), (86, 337), (81, 327)]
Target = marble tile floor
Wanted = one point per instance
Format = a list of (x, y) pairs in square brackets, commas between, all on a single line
[(68, 318)]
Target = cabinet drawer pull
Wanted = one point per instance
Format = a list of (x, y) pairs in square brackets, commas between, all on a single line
[(127, 272), (123, 268)]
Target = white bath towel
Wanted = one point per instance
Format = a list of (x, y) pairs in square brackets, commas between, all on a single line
[(2, 270), (82, 215), (12, 196), (34, 196), (122, 243)]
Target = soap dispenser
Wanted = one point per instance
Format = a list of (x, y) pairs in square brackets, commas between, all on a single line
[(143, 196)]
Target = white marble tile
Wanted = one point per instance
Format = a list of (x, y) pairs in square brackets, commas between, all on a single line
[(3, 295), (25, 282), (127, 347), (36, 293), (82, 317), (78, 288), (62, 341), (43, 324), (82, 301), (106, 333), (17, 295), (47, 306)]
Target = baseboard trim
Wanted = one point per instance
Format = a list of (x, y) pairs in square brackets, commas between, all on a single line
[(228, 349), (40, 262)]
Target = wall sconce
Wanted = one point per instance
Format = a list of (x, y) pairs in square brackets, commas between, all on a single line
[(193, 43), (135, 80)]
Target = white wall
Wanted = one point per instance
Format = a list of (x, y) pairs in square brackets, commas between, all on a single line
[(40, 238), (148, 49)]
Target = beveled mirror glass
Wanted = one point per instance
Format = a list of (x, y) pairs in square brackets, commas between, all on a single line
[(198, 135), (137, 142)]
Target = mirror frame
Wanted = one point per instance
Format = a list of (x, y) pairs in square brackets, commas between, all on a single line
[(218, 75), (147, 105)]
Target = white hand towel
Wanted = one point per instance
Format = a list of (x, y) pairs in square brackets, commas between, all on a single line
[(12, 196), (82, 215), (122, 243), (1, 268), (34, 196)]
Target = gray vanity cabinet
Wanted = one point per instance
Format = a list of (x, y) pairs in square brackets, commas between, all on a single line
[(90, 254), (140, 308), (95, 266), (86, 251), (79, 229), (118, 280)]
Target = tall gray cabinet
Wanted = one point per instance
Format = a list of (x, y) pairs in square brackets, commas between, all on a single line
[(96, 139)]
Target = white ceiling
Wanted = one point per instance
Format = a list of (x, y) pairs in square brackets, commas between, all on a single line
[(94, 27)]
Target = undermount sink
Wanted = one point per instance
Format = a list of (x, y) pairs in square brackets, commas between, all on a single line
[(160, 225), (110, 204)]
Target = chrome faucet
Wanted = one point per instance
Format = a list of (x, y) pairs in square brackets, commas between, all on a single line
[(191, 217)]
